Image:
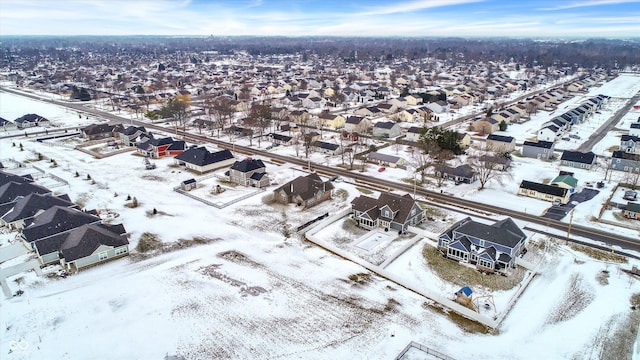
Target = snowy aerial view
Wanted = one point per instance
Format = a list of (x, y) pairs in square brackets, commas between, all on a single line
[(314, 192)]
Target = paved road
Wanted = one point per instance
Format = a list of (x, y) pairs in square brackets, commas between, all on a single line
[(605, 237), (597, 135)]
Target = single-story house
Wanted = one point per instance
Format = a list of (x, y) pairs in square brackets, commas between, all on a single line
[(460, 174), (389, 211), (631, 211), (490, 247), (7, 125), (12, 190), (201, 160), (327, 147), (385, 160), (100, 131), (25, 208), (544, 192), (565, 181), (160, 147), (331, 121), (413, 133), (31, 120), (305, 191), (92, 244), (281, 139)]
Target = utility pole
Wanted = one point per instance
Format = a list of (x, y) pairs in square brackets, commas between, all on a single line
[(569, 227)]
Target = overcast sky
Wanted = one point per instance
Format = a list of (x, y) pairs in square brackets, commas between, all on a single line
[(516, 18)]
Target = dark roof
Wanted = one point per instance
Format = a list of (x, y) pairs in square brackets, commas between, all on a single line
[(635, 125), (632, 207), (325, 145), (384, 124), (29, 206), (257, 176), (6, 177), (400, 205), (280, 137), (247, 165), (177, 145), (305, 186), (465, 171), (94, 129), (501, 138), (544, 188), (630, 137), (55, 220), (189, 181), (355, 120), (504, 232), (84, 240), (414, 130), (539, 144), (130, 130), (10, 191), (29, 118), (580, 157), (4, 121), (200, 156), (625, 155)]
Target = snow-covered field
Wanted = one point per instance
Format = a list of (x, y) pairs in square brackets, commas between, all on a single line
[(249, 291)]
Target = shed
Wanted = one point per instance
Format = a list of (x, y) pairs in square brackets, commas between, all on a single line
[(189, 184)]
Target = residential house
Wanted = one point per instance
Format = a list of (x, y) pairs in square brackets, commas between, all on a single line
[(386, 129), (489, 247), (100, 131), (327, 147), (624, 161), (544, 192), (299, 116), (578, 159), (549, 133), (389, 211), (459, 174), (305, 191), (407, 115), (331, 121), (357, 124), (385, 159), (413, 133), (130, 135), (634, 129), (565, 181), (249, 172), (280, 139), (31, 120), (7, 125), (201, 160), (630, 144), (631, 211), (54, 220), (12, 191), (370, 111), (161, 147), (387, 108), (27, 207), (500, 143), (486, 125), (92, 244), (413, 99), (438, 107), (464, 140), (538, 149), (497, 162)]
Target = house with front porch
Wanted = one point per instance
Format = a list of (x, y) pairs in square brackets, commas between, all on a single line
[(249, 172), (624, 161), (389, 211), (201, 160), (544, 192), (491, 248)]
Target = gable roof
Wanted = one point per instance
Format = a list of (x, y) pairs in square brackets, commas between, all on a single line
[(401, 205), (500, 138), (84, 240), (579, 157), (200, 156), (567, 179), (325, 145), (539, 144), (384, 124), (544, 188), (55, 220), (29, 206), (6, 177), (10, 191)]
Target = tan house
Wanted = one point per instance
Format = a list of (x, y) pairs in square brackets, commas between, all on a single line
[(631, 211), (413, 99), (544, 192), (332, 121), (500, 143)]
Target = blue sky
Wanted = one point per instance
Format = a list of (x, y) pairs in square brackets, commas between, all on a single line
[(515, 18)]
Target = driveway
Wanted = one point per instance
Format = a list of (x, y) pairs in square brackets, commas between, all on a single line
[(560, 211)]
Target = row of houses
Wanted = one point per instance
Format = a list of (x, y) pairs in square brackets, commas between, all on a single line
[(55, 228), (557, 126)]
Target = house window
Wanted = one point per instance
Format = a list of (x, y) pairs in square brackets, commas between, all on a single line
[(481, 243), (121, 250), (386, 213), (485, 263), (283, 197), (102, 256), (413, 211)]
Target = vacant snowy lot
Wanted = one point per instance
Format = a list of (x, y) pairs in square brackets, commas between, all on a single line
[(235, 283)]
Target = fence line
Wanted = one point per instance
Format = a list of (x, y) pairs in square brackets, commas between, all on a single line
[(424, 349), (219, 205)]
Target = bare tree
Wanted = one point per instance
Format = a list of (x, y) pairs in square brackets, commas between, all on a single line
[(260, 117), (487, 167)]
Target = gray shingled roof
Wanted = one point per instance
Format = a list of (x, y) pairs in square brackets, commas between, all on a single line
[(29, 206), (84, 240), (55, 220)]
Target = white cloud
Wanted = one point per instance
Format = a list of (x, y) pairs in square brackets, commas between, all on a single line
[(413, 6), (586, 3)]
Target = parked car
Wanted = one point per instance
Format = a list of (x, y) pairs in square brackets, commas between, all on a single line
[(381, 169), (630, 195)]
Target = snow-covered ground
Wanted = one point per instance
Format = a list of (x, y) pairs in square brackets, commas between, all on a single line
[(248, 291)]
